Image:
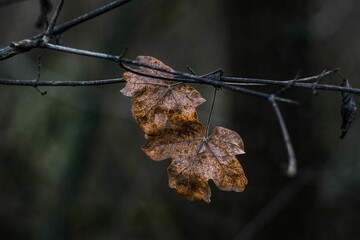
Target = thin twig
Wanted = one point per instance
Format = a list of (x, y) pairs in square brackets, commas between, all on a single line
[(76, 51), (50, 28), (291, 169), (275, 82), (300, 83)]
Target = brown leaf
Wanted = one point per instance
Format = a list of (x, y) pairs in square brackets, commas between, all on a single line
[(156, 101), (197, 158)]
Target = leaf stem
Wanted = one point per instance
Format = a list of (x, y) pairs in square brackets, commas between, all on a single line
[(211, 111)]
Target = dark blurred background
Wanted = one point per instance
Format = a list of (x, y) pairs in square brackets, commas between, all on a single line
[(71, 166)]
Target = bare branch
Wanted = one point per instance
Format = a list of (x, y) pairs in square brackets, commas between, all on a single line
[(26, 45)]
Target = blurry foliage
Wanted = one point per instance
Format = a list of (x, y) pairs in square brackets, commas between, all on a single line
[(70, 165)]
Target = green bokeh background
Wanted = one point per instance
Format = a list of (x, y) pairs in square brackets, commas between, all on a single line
[(71, 166)]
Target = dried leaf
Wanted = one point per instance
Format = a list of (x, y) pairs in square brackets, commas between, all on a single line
[(348, 109), (156, 101), (197, 159)]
